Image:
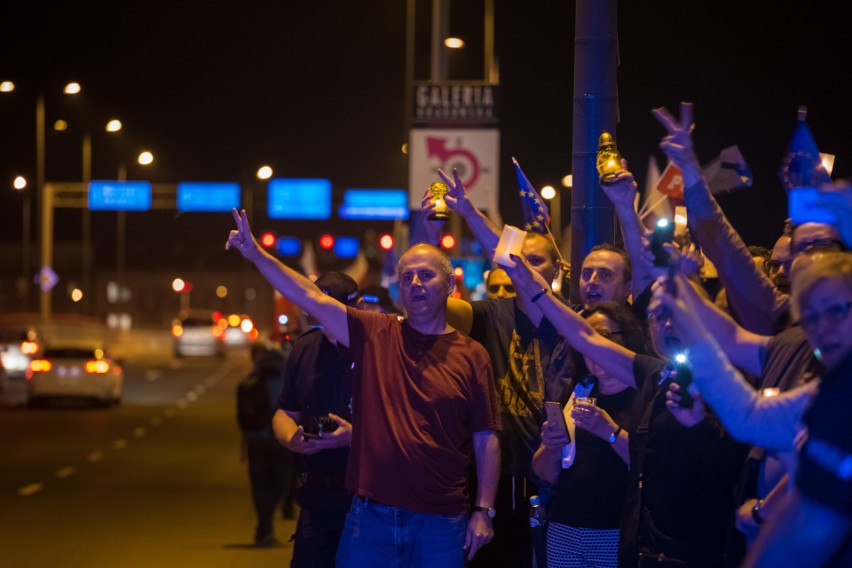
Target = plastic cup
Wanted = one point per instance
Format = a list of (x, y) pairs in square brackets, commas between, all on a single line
[(511, 243)]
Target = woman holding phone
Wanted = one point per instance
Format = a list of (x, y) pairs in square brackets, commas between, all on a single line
[(588, 497)]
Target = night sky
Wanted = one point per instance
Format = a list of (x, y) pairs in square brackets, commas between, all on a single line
[(316, 89)]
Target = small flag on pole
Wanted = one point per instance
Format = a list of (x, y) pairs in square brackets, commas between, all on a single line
[(536, 216), (802, 166)]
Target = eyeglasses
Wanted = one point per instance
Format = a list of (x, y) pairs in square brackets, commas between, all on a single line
[(834, 314), (825, 243), (775, 265), (494, 288)]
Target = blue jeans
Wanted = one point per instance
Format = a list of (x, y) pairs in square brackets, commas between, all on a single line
[(380, 535)]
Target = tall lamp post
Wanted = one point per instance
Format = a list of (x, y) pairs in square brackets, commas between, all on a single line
[(46, 217), (20, 185)]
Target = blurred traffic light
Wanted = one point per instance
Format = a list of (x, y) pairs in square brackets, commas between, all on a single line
[(267, 240), (181, 286), (326, 242), (386, 242), (448, 242)]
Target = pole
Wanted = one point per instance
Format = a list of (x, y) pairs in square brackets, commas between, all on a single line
[(87, 221), (595, 109), (121, 233), (26, 278), (45, 199), (491, 74), (556, 217)]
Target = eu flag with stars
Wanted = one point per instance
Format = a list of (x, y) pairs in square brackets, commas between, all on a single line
[(536, 216)]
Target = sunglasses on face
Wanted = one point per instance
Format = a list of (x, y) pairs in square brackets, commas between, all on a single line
[(824, 243), (494, 288), (834, 314)]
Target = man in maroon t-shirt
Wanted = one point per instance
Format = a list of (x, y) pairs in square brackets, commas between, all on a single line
[(424, 404)]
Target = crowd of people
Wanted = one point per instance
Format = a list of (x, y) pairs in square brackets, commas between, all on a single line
[(700, 426)]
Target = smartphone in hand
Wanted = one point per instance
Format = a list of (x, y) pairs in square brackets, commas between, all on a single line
[(663, 233), (553, 411), (683, 378)]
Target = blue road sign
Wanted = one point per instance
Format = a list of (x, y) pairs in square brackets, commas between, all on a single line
[(119, 195), (374, 204), (299, 198), (208, 196)]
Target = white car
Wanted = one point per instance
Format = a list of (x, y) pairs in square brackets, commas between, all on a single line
[(18, 346), (75, 369), (198, 333), (239, 330)]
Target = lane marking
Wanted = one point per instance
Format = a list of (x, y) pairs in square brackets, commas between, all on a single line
[(95, 456), (30, 489), (119, 444), (156, 421), (139, 432), (66, 471)]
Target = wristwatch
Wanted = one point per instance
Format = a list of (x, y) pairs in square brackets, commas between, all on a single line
[(614, 436), (491, 512)]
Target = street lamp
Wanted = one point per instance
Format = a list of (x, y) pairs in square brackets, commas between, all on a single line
[(264, 172), (145, 158)]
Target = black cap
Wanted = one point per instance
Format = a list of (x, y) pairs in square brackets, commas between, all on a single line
[(380, 296), (339, 286)]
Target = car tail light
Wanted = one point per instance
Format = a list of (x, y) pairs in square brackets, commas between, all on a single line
[(217, 331), (177, 330), (97, 367), (40, 366), (29, 347)]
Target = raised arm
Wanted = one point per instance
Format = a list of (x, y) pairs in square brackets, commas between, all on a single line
[(770, 422), (292, 285), (481, 226), (614, 358), (744, 349), (622, 193), (750, 292)]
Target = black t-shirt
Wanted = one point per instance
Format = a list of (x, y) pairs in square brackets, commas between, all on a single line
[(789, 357), (688, 475), (825, 463), (318, 380), (529, 369), (590, 493)]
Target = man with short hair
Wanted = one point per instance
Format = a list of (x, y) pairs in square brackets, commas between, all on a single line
[(779, 264), (423, 405), (605, 276), (499, 285)]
